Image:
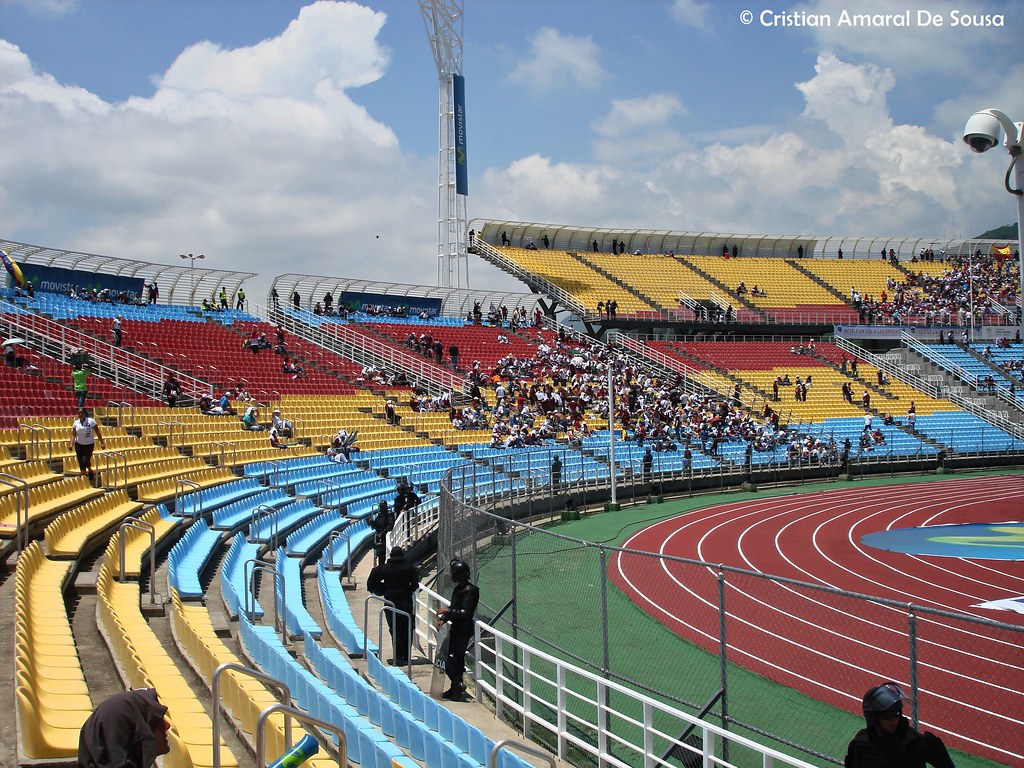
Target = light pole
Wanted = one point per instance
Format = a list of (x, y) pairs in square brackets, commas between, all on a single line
[(192, 274), (981, 134)]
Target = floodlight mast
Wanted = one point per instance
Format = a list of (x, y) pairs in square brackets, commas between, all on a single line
[(443, 22)]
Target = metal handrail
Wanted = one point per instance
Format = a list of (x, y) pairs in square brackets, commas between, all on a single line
[(335, 535), (329, 485), (224, 445), (139, 525), (13, 481), (520, 746), (170, 430), (302, 717), (249, 569), (380, 615), (280, 467), (284, 695), (389, 607), (119, 459), (120, 404), (33, 445), (258, 513), (179, 485)]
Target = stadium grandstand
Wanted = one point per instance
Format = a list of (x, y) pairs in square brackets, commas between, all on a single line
[(216, 548)]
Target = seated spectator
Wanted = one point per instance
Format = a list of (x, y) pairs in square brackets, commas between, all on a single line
[(225, 404), (209, 407), (275, 439), (251, 419), (342, 447), (283, 426)]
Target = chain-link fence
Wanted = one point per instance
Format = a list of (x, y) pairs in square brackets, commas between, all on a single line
[(766, 656)]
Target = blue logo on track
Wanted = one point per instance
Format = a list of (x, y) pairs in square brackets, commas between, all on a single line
[(980, 541)]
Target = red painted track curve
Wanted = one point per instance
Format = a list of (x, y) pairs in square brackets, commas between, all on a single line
[(971, 677)]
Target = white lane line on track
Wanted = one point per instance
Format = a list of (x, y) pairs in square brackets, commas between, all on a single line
[(749, 510)]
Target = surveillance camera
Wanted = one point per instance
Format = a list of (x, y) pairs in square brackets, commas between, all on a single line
[(981, 132)]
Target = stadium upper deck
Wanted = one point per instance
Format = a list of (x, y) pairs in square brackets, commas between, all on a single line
[(686, 277)]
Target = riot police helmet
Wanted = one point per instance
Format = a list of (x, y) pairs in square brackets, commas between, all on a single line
[(883, 699)]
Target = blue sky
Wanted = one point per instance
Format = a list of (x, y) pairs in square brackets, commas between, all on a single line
[(282, 136)]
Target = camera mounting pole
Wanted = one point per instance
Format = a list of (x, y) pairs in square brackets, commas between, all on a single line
[(981, 133)]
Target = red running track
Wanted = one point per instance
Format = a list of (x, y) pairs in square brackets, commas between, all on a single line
[(970, 676)]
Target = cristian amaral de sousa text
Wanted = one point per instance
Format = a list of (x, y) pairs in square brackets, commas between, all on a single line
[(906, 18)]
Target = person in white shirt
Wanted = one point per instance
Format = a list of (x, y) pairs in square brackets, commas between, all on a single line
[(84, 433), (283, 425)]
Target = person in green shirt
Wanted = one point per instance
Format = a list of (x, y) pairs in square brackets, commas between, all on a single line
[(240, 303), (79, 382)]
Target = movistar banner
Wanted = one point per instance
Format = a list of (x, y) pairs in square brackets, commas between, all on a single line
[(389, 306), (60, 280), (461, 172)]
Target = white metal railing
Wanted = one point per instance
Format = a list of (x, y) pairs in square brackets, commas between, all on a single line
[(900, 373), (582, 711), (928, 354), (358, 346), (123, 368), (498, 258), (688, 301), (649, 355), (888, 366)]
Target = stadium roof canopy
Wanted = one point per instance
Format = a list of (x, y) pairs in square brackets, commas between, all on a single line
[(575, 238), (178, 283), (455, 302)]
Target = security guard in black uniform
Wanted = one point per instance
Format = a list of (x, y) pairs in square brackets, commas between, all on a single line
[(889, 741), (397, 581), (460, 614)]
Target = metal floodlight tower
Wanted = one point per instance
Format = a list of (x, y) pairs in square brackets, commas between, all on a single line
[(443, 21)]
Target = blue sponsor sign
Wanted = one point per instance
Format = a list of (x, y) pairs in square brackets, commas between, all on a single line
[(389, 306), (60, 280), (461, 172)]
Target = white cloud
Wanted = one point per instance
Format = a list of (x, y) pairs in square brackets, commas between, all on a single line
[(20, 84), (844, 167), (923, 47), (262, 158), (257, 156), (45, 7), (628, 115), (311, 52), (553, 61), (691, 13)]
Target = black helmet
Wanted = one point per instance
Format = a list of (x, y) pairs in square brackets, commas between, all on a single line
[(459, 570), (882, 698)]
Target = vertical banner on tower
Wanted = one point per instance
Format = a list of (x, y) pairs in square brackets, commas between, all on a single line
[(459, 97)]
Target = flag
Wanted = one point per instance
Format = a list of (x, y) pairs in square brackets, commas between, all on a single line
[(12, 269), (1001, 251)]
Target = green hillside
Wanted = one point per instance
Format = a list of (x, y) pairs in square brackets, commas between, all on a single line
[(1007, 232)]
